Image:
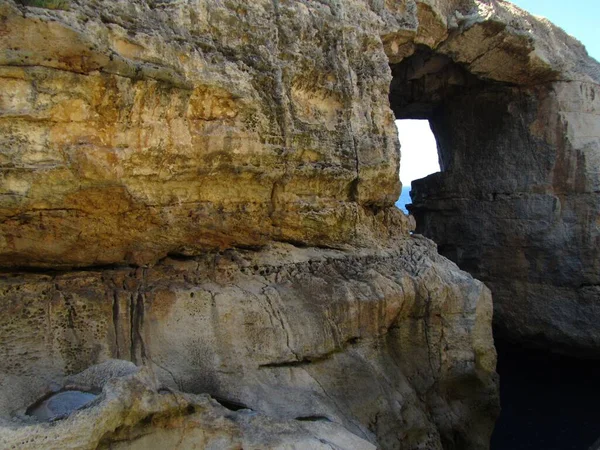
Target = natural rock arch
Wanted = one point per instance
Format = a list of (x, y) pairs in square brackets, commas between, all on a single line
[(516, 203)]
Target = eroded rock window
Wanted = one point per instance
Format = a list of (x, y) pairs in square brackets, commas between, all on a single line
[(419, 155)]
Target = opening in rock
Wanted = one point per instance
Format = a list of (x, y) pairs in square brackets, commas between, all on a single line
[(313, 419), (60, 405), (467, 117), (497, 210), (230, 404), (419, 155)]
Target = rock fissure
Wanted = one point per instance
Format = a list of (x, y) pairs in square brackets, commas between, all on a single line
[(427, 337), (277, 315), (313, 359), (116, 319), (341, 409)]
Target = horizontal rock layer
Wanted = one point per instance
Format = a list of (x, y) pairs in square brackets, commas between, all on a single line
[(130, 131)]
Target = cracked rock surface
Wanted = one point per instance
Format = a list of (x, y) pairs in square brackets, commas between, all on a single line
[(395, 346)]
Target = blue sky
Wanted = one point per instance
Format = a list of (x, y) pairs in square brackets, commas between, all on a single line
[(579, 18)]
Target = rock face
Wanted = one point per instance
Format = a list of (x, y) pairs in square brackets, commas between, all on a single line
[(134, 412), (135, 129), (206, 189), (393, 345)]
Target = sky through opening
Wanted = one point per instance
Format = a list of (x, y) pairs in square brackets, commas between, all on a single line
[(419, 156)]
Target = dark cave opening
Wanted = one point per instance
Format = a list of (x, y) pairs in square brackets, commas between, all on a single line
[(549, 401)]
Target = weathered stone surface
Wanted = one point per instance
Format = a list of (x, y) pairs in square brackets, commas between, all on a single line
[(131, 130), (517, 206), (134, 130), (206, 189), (134, 412), (395, 346), (522, 234)]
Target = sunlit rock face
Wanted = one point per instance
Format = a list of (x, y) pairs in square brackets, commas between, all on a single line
[(206, 189), (131, 130)]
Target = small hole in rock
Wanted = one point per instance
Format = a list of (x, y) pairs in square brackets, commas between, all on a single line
[(231, 405), (59, 405), (313, 419)]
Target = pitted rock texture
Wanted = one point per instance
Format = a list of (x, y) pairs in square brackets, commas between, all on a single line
[(133, 411), (394, 346), (134, 129)]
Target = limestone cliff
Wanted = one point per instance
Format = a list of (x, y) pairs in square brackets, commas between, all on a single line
[(136, 129), (205, 188)]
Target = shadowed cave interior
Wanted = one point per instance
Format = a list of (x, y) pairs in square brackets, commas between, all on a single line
[(549, 401)]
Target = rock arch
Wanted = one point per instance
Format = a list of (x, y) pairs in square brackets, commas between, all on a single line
[(513, 105)]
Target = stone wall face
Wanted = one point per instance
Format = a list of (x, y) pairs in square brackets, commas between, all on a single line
[(205, 188), (395, 346), (510, 208), (131, 131)]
